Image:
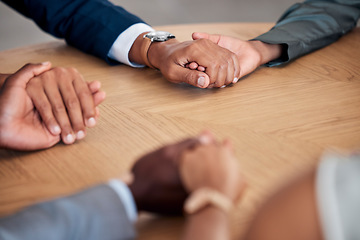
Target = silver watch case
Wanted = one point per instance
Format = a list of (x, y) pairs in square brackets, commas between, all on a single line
[(159, 36)]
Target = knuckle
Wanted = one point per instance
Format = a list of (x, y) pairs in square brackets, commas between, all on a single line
[(72, 102), (85, 94), (44, 108), (59, 108)]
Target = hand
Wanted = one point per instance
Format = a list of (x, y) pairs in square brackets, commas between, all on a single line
[(156, 184), (212, 165), (65, 102), (250, 54), (20, 125)]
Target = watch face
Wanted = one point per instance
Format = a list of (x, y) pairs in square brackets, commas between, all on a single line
[(159, 36)]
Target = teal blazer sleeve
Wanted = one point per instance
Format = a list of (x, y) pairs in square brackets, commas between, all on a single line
[(311, 25), (96, 213), (89, 25)]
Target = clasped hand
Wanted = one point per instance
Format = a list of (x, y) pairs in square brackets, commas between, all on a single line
[(40, 105)]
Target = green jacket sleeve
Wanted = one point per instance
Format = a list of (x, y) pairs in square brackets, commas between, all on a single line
[(313, 24)]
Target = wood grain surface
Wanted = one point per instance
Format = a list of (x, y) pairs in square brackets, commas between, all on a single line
[(280, 119)]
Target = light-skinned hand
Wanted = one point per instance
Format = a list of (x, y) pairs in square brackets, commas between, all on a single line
[(212, 165), (250, 54)]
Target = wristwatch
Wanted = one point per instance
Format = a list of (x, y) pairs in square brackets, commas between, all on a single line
[(157, 36)]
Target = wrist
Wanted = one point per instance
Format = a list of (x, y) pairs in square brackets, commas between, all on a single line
[(159, 50), (137, 195), (204, 197), (135, 50), (266, 51)]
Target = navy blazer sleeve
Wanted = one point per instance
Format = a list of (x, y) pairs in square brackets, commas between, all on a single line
[(96, 213), (89, 25), (311, 25)]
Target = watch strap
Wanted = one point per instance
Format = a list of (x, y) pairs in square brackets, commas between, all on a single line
[(144, 50)]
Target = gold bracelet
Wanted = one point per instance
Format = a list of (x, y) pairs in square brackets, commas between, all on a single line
[(205, 196)]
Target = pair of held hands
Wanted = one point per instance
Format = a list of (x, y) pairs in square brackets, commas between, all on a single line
[(208, 61), (162, 180)]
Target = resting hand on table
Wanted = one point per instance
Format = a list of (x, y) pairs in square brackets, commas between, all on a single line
[(21, 123), (171, 58), (250, 54), (65, 102)]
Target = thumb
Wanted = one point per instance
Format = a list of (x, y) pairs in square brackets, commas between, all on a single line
[(212, 37), (193, 77), (27, 72)]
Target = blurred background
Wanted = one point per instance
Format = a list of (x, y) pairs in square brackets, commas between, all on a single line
[(16, 30)]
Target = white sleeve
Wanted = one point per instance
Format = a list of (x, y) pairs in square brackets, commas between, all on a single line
[(126, 198), (122, 45)]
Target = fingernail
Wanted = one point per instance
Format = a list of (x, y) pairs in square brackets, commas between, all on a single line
[(80, 135), (201, 82), (56, 130), (91, 122), (204, 139), (235, 80), (223, 86), (45, 63), (69, 138)]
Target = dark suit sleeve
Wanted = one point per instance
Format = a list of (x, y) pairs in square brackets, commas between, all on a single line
[(311, 25), (89, 25), (93, 214)]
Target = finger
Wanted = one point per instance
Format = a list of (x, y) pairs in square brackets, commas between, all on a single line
[(27, 72), (237, 69), (222, 76), (230, 72), (59, 111), (211, 86), (43, 106), (228, 145), (86, 101), (212, 37), (179, 148), (192, 77), (206, 137), (94, 86), (99, 97), (201, 69), (193, 65), (73, 108)]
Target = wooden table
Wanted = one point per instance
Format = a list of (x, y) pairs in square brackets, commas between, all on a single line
[(280, 119)]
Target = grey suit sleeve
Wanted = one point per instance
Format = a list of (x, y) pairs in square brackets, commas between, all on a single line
[(94, 214), (311, 25)]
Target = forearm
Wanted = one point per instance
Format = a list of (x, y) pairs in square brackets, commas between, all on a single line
[(208, 223), (90, 25), (311, 25), (96, 213), (267, 52), (289, 214)]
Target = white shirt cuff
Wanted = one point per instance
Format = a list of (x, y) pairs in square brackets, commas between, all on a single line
[(126, 198), (122, 45)]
